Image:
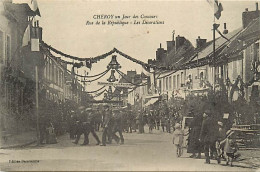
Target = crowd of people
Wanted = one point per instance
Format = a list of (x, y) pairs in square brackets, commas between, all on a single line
[(209, 136), (204, 134), (115, 120)]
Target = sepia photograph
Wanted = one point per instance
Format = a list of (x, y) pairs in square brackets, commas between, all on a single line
[(120, 85)]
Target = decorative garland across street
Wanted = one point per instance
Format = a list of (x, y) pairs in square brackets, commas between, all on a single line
[(95, 90), (104, 73), (88, 61)]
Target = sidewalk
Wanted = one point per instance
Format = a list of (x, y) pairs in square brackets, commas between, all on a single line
[(18, 140)]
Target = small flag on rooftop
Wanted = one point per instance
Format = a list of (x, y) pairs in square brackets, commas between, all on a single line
[(217, 6)]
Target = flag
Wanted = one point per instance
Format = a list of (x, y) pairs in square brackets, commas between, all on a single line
[(31, 3), (217, 6)]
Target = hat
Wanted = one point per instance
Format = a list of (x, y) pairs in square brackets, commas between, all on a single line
[(220, 123), (177, 125)]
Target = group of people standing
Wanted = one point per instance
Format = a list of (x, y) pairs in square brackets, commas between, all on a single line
[(208, 135)]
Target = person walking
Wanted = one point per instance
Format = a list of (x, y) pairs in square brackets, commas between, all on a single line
[(230, 147), (208, 135), (90, 127), (194, 145), (221, 137), (163, 122), (117, 127), (80, 124), (107, 126), (178, 139)]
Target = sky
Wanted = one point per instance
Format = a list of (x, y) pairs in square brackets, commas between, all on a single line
[(64, 27)]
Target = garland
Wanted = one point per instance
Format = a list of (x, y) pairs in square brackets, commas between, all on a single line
[(104, 73), (77, 58), (88, 61), (95, 90), (87, 76)]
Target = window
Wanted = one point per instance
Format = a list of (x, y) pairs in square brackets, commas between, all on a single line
[(201, 79), (1, 47), (189, 82), (173, 82), (182, 78), (170, 83), (178, 81), (160, 86), (257, 52), (51, 70), (8, 49), (166, 83), (163, 87), (47, 68)]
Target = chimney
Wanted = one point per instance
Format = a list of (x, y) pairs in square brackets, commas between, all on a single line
[(179, 41), (160, 54), (200, 42), (248, 16), (171, 44), (256, 5)]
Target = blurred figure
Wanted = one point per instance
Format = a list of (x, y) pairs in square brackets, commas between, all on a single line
[(194, 145), (230, 147), (118, 126), (221, 137), (208, 135), (107, 126), (178, 139)]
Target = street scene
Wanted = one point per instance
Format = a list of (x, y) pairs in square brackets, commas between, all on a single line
[(129, 86)]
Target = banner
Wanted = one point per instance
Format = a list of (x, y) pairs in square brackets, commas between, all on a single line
[(124, 85)]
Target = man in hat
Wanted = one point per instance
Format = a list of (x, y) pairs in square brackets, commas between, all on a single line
[(80, 124), (117, 126), (90, 127), (208, 134), (107, 125)]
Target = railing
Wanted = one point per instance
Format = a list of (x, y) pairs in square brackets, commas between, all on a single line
[(247, 136)]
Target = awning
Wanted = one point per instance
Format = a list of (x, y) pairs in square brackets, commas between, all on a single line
[(152, 101)]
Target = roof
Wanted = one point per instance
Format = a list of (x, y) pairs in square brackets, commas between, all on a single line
[(236, 45), (177, 58), (208, 49), (251, 30)]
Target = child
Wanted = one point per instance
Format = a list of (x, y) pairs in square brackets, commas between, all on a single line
[(178, 139), (221, 137), (230, 147)]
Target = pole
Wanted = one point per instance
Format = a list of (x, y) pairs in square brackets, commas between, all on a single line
[(214, 49), (37, 104)]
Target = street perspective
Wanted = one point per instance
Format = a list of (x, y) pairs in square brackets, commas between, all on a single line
[(89, 85)]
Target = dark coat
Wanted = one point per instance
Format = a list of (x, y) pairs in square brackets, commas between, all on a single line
[(209, 130), (194, 145)]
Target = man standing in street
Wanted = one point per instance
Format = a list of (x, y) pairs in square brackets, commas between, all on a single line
[(107, 125), (90, 127), (80, 124), (118, 126), (208, 134)]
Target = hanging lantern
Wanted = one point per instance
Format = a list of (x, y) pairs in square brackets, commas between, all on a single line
[(225, 29), (112, 77), (113, 63)]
